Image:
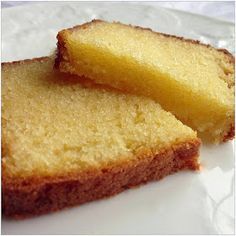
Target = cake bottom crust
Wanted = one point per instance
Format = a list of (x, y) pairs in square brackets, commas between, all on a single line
[(35, 196), (230, 134)]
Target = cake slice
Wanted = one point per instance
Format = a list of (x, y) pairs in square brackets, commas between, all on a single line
[(193, 81), (67, 141)]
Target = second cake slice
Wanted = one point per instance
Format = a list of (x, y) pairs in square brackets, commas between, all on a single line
[(193, 81)]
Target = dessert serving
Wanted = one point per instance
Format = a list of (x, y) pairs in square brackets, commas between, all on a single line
[(116, 107)]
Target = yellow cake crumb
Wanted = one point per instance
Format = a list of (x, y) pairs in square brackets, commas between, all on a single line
[(52, 124)]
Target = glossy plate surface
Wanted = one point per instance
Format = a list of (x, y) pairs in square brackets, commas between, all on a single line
[(184, 203)]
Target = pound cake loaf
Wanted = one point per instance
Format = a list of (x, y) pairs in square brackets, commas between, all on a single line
[(193, 81), (66, 141)]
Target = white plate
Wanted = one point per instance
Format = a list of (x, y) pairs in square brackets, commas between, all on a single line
[(184, 203)]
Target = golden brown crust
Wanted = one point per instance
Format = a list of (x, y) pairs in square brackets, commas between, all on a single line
[(61, 50), (34, 196), (61, 43), (40, 59), (230, 135)]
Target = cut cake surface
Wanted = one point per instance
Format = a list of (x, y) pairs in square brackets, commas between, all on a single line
[(67, 141), (193, 81)]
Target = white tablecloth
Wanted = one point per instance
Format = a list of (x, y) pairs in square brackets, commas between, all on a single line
[(222, 10)]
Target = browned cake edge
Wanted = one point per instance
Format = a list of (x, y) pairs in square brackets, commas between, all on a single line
[(25, 61), (38, 195), (61, 50), (231, 133)]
